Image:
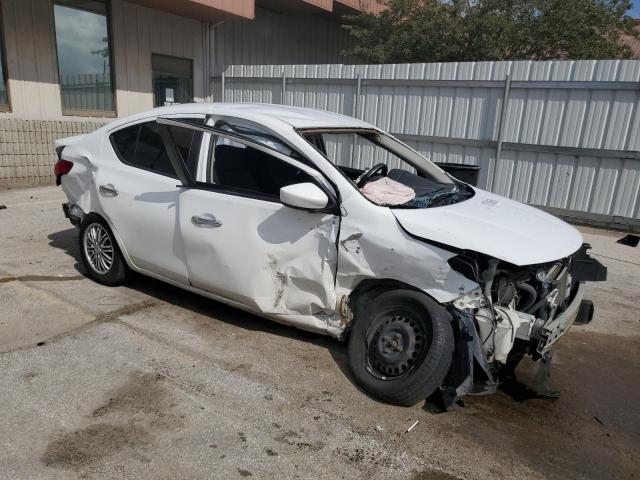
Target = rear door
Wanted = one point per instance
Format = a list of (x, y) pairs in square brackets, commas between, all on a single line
[(138, 190), (243, 244)]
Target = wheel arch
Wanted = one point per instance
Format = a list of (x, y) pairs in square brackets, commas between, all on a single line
[(369, 288)]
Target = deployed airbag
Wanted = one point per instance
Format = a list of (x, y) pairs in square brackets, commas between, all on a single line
[(386, 191)]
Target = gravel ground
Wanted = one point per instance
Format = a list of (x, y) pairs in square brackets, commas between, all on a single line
[(148, 381)]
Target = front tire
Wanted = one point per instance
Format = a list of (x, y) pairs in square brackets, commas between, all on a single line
[(100, 253), (401, 346)]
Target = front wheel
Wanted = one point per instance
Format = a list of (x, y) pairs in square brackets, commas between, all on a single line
[(401, 346), (100, 253)]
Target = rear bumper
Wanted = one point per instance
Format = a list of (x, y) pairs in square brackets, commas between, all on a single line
[(72, 215), (553, 330)]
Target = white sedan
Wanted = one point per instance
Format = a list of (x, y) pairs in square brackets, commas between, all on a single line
[(326, 223)]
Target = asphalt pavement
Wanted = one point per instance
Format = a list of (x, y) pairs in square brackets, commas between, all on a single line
[(149, 381)]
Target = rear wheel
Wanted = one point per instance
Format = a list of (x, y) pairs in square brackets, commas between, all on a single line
[(100, 253), (401, 346)]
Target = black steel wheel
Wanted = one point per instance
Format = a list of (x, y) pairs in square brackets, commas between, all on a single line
[(401, 346), (397, 342)]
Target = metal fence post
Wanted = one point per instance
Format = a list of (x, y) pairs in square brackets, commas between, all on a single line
[(222, 86), (503, 114), (356, 100), (284, 89), (356, 105)]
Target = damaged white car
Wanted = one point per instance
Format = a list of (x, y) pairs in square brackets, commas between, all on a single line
[(326, 223)]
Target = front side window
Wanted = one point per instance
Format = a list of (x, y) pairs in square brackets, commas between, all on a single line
[(4, 94), (238, 167), (84, 57), (172, 80), (386, 172), (141, 146)]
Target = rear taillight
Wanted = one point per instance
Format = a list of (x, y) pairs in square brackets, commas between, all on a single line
[(62, 168)]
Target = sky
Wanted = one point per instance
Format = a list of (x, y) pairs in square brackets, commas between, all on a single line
[(78, 35), (635, 10)]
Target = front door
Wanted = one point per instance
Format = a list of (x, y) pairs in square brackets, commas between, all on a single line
[(242, 244), (269, 257)]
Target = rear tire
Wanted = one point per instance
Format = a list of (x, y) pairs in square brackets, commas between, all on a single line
[(100, 253), (401, 346)]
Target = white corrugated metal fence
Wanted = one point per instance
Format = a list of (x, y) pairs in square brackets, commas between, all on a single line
[(567, 137)]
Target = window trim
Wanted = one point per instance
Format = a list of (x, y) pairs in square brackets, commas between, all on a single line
[(74, 112), (191, 61), (3, 63)]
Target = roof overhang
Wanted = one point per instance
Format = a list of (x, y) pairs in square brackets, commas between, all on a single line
[(357, 6), (296, 6), (205, 10), (338, 7), (216, 10)]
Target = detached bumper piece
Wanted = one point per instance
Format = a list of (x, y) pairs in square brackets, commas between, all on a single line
[(585, 313), (469, 373), (587, 269)]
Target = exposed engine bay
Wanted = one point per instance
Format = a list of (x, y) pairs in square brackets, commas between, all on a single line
[(516, 311)]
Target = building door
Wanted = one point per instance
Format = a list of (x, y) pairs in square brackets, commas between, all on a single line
[(172, 80)]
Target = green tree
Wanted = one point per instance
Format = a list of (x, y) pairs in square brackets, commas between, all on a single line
[(474, 30)]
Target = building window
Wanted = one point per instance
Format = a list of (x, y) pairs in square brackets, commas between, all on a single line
[(84, 57), (172, 80), (4, 93)]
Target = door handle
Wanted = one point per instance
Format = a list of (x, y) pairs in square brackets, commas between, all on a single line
[(206, 220), (108, 190)]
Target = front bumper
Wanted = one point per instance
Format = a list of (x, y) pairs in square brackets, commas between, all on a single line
[(554, 329)]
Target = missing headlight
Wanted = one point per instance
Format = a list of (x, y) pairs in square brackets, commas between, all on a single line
[(466, 266)]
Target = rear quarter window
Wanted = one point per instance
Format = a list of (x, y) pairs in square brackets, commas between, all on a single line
[(141, 146), (150, 152), (124, 143)]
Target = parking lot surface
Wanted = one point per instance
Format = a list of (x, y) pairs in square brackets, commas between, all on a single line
[(149, 381)]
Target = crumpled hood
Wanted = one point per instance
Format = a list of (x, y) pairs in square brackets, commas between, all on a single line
[(496, 226)]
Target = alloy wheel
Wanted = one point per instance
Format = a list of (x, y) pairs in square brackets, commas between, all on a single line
[(98, 248)]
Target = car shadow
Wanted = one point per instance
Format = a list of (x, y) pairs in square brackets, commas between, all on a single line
[(67, 241)]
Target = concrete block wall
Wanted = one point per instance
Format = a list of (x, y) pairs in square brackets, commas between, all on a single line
[(27, 153)]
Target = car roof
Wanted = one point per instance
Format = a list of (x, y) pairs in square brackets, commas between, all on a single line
[(263, 113)]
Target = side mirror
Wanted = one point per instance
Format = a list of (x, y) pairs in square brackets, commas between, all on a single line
[(306, 196)]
